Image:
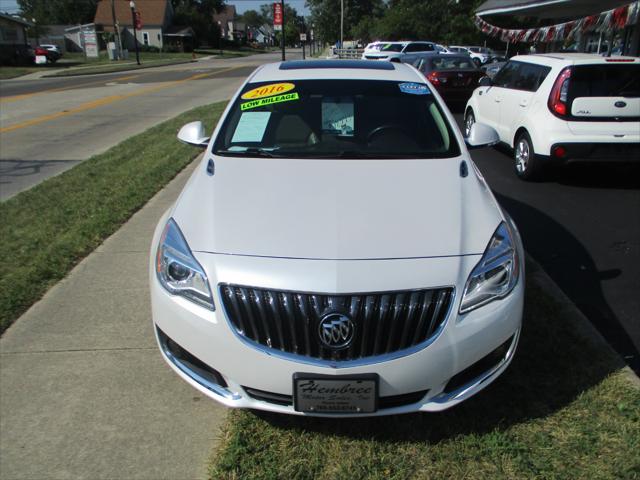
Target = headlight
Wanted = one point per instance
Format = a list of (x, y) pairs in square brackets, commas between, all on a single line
[(177, 269), (495, 275)]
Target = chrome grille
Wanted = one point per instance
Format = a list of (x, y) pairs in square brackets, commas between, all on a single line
[(384, 322)]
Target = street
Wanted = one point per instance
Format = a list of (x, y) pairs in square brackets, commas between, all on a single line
[(48, 125)]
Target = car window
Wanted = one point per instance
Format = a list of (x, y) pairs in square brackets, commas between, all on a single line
[(507, 75), (450, 62), (607, 80), (392, 47), (419, 47), (530, 76), (337, 119)]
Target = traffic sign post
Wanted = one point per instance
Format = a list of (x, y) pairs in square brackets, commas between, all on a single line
[(278, 22)]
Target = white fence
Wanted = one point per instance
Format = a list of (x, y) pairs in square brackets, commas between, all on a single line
[(348, 53)]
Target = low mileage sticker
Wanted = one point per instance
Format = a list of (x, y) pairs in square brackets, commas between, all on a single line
[(268, 90), (269, 100)]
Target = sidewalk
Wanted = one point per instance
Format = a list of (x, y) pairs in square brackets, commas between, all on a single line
[(84, 392)]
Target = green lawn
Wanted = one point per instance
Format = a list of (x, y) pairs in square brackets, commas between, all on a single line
[(48, 229), (563, 410)]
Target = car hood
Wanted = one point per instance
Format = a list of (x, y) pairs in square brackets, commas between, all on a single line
[(337, 209)]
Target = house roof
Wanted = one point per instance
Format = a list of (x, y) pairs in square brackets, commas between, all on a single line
[(226, 14), (179, 31), (547, 8), (153, 12), (11, 18)]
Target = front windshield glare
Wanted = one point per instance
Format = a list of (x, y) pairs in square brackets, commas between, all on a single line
[(336, 119)]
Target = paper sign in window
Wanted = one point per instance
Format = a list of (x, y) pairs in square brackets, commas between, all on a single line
[(337, 116), (251, 127)]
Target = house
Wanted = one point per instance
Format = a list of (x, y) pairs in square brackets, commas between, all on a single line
[(226, 21), (14, 48), (156, 16)]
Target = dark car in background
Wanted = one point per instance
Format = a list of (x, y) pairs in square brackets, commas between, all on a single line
[(454, 76)]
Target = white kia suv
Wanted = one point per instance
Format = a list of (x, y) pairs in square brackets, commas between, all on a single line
[(336, 252), (560, 107)]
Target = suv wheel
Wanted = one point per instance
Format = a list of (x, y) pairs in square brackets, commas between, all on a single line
[(527, 163), (469, 120)]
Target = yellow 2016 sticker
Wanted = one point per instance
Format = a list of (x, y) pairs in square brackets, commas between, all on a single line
[(269, 100), (268, 90)]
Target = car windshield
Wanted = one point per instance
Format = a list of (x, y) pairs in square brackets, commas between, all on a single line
[(336, 119), (392, 47), (451, 62)]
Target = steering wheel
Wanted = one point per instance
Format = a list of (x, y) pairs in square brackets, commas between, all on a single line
[(384, 128)]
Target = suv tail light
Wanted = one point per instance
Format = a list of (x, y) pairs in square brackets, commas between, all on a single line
[(434, 77), (559, 94)]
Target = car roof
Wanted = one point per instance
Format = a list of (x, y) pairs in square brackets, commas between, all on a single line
[(335, 69), (571, 58)]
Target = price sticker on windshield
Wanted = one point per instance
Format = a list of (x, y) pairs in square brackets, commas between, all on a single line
[(268, 90)]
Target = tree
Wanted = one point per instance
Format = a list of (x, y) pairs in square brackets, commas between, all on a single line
[(58, 12), (198, 14), (359, 17), (252, 19)]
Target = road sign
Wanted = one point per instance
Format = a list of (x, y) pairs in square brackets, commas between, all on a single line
[(303, 37), (277, 16)]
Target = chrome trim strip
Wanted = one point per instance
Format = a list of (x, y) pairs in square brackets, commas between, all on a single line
[(214, 387), (338, 259), (345, 363), (469, 388)]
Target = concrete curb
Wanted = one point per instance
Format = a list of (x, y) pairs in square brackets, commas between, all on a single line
[(581, 323)]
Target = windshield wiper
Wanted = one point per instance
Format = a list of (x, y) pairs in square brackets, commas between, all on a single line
[(249, 152)]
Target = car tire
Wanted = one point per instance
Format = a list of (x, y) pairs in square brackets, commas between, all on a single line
[(469, 120), (528, 165)]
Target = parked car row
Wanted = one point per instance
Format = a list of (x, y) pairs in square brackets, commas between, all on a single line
[(405, 51)]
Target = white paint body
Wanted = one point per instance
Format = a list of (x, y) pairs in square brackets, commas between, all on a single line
[(338, 226)]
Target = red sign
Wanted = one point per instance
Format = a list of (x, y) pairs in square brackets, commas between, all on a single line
[(277, 14), (138, 20)]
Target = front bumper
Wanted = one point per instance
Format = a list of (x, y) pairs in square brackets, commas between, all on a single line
[(469, 352)]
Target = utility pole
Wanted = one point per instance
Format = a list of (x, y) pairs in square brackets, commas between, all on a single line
[(283, 23), (116, 29), (304, 30), (132, 4), (341, 24)]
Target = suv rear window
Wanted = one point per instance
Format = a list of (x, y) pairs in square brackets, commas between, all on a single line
[(605, 81), (337, 119)]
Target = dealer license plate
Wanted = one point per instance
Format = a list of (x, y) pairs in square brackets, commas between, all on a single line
[(331, 394)]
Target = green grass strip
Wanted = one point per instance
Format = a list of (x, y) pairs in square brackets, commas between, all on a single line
[(563, 410), (48, 229)]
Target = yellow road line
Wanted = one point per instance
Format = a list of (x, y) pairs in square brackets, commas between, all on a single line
[(107, 100), (62, 89)]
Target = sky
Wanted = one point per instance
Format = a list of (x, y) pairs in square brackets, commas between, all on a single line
[(11, 6)]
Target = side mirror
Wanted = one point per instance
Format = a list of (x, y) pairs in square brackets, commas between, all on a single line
[(193, 134), (481, 135), (485, 82)]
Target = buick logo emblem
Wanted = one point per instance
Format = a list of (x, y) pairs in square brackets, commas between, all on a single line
[(335, 331)]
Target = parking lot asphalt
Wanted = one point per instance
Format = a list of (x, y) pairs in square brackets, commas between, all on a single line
[(85, 392), (583, 226)]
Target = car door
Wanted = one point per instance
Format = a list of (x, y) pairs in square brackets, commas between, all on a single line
[(489, 99), (516, 99)]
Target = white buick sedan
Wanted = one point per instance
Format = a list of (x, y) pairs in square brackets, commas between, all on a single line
[(337, 252)]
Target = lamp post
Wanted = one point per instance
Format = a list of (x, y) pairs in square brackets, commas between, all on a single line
[(132, 4), (35, 28)]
